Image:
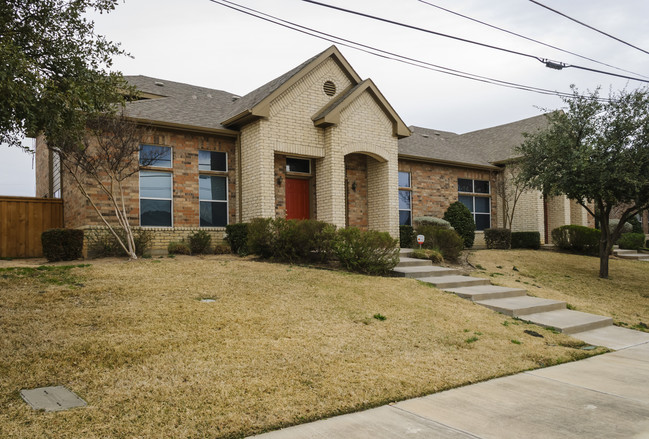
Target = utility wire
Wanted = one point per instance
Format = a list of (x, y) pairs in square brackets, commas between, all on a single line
[(385, 54), (528, 38), (588, 26), (548, 63)]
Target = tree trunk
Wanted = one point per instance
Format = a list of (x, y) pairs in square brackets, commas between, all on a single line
[(605, 246)]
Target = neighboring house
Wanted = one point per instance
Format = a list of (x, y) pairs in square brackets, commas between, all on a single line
[(317, 142)]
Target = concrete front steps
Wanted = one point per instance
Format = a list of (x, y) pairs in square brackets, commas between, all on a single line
[(630, 254), (509, 301)]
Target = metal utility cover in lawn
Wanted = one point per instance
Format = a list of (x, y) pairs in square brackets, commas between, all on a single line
[(51, 399)]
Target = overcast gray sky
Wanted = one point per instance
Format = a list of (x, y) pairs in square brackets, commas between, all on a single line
[(203, 43)]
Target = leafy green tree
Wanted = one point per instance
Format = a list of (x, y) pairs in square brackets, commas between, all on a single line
[(54, 68), (596, 152), (462, 221)]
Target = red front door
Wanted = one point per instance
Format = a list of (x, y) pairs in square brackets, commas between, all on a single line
[(297, 198)]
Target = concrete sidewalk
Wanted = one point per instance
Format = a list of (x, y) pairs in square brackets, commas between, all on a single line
[(601, 397)]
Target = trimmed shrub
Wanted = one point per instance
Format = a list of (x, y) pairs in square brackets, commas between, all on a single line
[(62, 244), (526, 240), (498, 238), (261, 237), (577, 239), (636, 226), (406, 236), (178, 248), (430, 254), (631, 241), (302, 240), (200, 242), (368, 252), (222, 248), (237, 236), (102, 243), (432, 221), (459, 216), (626, 228), (447, 241)]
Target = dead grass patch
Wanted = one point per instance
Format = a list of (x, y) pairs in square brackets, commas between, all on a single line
[(279, 345), (573, 279)]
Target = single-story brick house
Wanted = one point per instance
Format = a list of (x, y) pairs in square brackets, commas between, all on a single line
[(317, 142)]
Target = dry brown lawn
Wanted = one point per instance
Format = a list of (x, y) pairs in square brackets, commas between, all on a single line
[(573, 279), (279, 345)]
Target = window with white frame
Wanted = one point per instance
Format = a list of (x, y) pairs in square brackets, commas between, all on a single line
[(405, 199), (475, 194), (156, 199), (213, 188), (156, 194)]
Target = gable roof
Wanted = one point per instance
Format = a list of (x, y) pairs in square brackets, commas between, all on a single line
[(256, 103), (484, 148), (330, 114)]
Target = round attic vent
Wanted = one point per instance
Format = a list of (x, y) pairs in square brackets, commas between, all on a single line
[(329, 88)]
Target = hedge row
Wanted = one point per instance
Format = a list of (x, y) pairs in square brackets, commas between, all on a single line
[(369, 252), (62, 244), (577, 239)]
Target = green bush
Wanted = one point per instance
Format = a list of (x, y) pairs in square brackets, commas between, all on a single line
[(577, 239), (200, 243), (178, 248), (636, 226), (406, 236), (430, 254), (432, 221), (261, 237), (626, 228), (302, 240), (102, 243), (222, 248), (460, 217), (631, 241), (447, 241), (526, 240), (368, 252), (237, 236), (498, 238), (62, 244)]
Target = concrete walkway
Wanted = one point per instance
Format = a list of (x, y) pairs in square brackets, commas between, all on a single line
[(601, 397)]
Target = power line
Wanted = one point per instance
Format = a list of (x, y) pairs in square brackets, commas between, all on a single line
[(381, 53), (528, 38), (548, 63), (588, 26)]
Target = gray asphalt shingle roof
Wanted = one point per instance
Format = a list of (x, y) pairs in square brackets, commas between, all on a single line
[(206, 108), (180, 103), (479, 148)]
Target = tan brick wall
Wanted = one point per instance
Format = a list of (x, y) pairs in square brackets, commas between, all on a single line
[(186, 208), (558, 213), (161, 237), (364, 128), (434, 187), (528, 215)]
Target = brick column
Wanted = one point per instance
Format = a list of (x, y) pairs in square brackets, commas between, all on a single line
[(330, 190), (257, 182), (383, 195)]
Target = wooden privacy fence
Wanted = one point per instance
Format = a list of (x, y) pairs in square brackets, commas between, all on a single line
[(22, 220)]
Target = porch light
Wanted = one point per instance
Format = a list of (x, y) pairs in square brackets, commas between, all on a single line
[(354, 186), (279, 180)]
